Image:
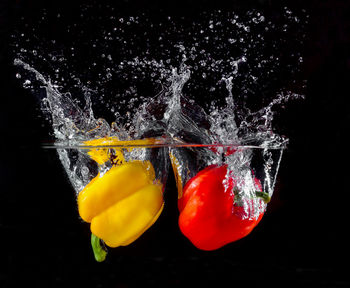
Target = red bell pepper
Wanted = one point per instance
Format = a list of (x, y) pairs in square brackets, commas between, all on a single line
[(209, 216)]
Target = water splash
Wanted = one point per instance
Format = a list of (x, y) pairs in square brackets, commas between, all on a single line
[(215, 81)]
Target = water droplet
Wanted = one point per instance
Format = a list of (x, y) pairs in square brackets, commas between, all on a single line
[(27, 83), (231, 40)]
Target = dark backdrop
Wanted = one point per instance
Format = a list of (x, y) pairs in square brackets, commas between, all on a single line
[(301, 242)]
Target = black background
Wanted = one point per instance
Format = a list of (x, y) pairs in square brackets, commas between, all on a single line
[(301, 242)]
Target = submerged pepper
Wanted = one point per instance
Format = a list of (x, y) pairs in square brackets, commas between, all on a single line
[(211, 217), (122, 203)]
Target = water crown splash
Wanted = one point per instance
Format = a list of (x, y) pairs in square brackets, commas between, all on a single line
[(228, 59)]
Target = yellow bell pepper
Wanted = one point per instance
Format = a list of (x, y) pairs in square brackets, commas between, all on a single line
[(122, 203), (117, 183), (129, 218)]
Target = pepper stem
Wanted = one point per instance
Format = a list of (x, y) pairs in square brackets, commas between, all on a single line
[(263, 195), (100, 251), (260, 194)]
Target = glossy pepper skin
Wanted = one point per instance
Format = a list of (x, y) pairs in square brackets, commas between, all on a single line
[(123, 203), (209, 217)]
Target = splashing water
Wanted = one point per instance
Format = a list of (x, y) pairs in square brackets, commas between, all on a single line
[(214, 80)]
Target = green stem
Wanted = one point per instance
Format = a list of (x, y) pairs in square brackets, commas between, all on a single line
[(263, 195), (260, 194), (100, 251)]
